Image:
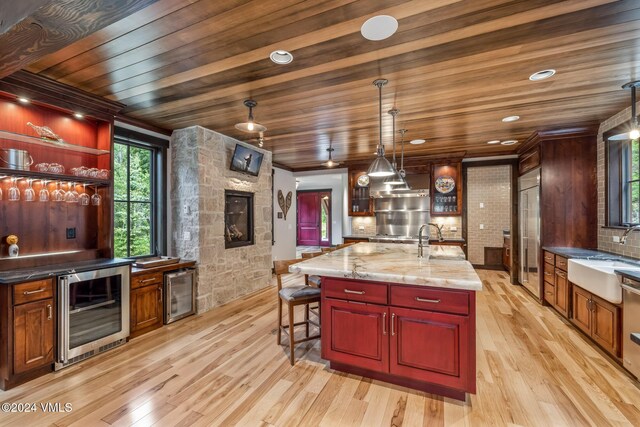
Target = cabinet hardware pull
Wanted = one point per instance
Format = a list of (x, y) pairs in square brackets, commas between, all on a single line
[(160, 294), (50, 312), (384, 323), (560, 274), (34, 292), (435, 301), (349, 291), (546, 273), (393, 326), (147, 280)]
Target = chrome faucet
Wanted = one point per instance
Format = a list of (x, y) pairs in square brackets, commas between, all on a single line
[(438, 231), (623, 239), (420, 246)]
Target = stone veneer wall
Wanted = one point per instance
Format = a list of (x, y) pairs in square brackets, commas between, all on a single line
[(490, 185), (605, 235), (200, 173)]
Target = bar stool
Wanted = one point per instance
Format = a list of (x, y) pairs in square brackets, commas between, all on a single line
[(311, 280), (294, 296)]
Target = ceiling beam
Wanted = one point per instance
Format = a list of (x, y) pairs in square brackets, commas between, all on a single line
[(54, 25)]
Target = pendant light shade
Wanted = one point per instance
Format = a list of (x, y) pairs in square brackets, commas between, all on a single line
[(634, 131), (330, 163), (394, 179), (380, 166), (250, 125)]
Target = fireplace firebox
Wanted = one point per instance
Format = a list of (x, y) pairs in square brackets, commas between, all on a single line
[(238, 219)]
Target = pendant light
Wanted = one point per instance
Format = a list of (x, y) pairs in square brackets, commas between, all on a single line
[(401, 171), (634, 132), (250, 125), (330, 163), (380, 166), (394, 179)]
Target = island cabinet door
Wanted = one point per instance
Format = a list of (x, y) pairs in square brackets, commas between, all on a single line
[(356, 334), (431, 347)]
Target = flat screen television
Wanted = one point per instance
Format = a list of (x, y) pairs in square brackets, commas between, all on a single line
[(246, 160)]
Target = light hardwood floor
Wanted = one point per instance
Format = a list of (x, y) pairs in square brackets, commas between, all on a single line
[(224, 368)]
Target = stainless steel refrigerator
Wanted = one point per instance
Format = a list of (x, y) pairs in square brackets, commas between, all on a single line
[(529, 219)]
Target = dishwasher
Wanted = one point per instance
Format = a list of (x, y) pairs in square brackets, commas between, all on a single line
[(631, 326)]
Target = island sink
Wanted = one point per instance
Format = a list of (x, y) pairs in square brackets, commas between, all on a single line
[(599, 277)]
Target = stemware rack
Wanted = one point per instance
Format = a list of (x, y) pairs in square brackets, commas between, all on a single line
[(20, 174)]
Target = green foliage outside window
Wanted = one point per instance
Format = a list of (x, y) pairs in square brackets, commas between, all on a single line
[(133, 200)]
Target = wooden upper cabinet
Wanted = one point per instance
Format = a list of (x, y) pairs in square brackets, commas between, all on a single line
[(446, 189), (529, 160), (360, 201)]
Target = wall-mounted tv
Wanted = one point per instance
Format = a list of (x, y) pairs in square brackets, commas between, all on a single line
[(246, 160)]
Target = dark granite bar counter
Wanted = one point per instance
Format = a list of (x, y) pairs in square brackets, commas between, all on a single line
[(629, 274), (36, 273)]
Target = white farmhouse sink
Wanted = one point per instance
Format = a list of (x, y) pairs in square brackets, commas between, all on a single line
[(598, 277)]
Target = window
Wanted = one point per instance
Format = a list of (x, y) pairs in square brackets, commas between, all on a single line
[(623, 186), (139, 194)]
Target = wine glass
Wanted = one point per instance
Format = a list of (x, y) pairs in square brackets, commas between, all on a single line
[(95, 199), (29, 193), (71, 196), (58, 193), (14, 191), (43, 195), (84, 197)]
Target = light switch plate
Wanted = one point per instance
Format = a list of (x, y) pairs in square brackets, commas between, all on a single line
[(453, 228), (481, 226), (361, 227), (616, 239), (186, 235), (481, 205)]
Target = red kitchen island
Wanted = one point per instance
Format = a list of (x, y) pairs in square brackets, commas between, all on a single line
[(394, 317)]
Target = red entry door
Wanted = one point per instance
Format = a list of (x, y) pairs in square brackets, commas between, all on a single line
[(309, 219)]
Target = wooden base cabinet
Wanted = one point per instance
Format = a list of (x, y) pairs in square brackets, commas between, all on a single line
[(27, 329), (146, 306), (557, 288), (415, 336), (597, 318)]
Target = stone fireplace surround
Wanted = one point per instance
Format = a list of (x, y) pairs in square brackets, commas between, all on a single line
[(200, 175)]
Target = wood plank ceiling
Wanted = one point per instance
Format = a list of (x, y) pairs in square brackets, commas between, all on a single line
[(455, 69)]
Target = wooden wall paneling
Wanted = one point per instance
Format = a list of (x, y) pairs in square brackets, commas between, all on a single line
[(58, 24), (167, 66)]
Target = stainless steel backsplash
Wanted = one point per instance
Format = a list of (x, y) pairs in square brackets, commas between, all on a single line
[(401, 216)]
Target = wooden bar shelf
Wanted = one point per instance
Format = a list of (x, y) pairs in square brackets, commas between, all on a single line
[(6, 172), (50, 143)]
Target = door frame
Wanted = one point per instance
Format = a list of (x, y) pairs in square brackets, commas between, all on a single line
[(329, 228)]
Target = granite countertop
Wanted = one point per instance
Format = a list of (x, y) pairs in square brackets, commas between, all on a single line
[(579, 253), (629, 274), (442, 266), (37, 273)]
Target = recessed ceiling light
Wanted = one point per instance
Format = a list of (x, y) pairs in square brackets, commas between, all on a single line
[(78, 115), (541, 75), (509, 142), (281, 57), (23, 100), (417, 141), (511, 119), (494, 141), (379, 27)]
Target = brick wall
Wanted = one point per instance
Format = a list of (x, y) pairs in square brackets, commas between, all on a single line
[(490, 185)]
